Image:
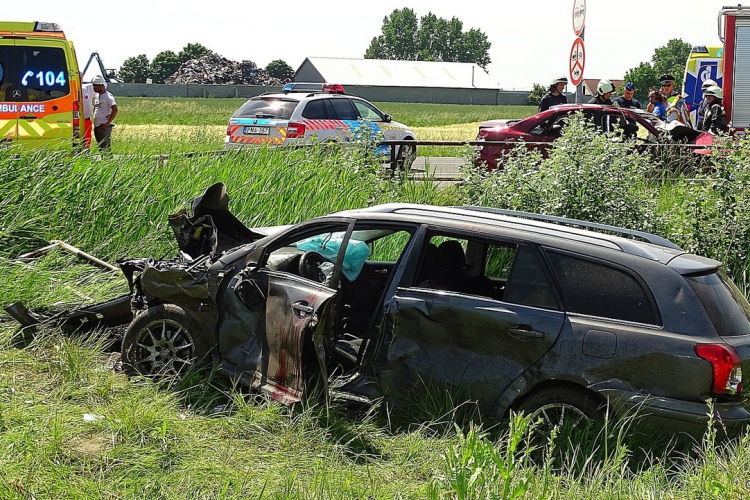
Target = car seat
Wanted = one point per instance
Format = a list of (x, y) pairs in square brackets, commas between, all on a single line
[(430, 267), (453, 265)]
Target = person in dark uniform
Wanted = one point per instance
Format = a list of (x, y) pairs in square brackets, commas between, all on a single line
[(715, 119), (703, 106), (603, 93), (677, 109), (626, 100), (555, 95)]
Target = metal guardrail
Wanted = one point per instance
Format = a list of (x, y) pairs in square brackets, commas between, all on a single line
[(398, 145)]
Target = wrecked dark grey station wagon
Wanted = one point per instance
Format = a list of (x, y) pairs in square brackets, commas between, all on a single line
[(522, 311)]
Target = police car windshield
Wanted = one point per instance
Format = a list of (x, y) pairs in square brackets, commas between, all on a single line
[(267, 108), (32, 73)]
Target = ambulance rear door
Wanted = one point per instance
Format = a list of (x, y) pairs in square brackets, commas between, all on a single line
[(46, 98), (8, 106)]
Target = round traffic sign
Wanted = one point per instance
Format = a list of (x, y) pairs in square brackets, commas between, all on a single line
[(577, 61), (579, 16)]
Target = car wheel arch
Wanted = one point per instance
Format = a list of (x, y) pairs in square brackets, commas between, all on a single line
[(550, 386)]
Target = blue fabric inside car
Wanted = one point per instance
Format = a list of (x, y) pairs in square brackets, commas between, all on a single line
[(328, 246)]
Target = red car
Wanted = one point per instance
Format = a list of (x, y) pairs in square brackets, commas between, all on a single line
[(540, 130)]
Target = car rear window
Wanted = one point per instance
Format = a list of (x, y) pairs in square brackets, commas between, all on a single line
[(725, 304), (30, 73), (597, 289), (267, 108)]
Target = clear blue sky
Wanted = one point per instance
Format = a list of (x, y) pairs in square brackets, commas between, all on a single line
[(531, 41)]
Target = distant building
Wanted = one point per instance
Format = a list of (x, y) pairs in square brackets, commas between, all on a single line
[(387, 73), (590, 84)]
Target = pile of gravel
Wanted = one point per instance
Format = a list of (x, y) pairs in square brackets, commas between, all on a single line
[(214, 69)]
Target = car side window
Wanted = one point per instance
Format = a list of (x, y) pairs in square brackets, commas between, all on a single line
[(597, 289), (543, 126), (315, 110), (368, 111), (499, 271), (344, 109), (286, 256)]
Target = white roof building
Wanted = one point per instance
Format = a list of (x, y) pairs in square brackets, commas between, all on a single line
[(388, 73)]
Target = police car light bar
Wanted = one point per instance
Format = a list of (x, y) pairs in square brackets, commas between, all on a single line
[(46, 27), (333, 88), (313, 87)]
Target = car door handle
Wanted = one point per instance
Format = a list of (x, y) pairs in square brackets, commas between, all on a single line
[(381, 271), (29, 117), (525, 332), (303, 307)]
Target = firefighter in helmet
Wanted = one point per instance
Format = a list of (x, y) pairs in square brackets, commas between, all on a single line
[(603, 93), (677, 109), (703, 106), (554, 96), (715, 119)]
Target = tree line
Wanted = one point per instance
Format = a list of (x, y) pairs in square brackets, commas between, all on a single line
[(138, 69), (404, 37)]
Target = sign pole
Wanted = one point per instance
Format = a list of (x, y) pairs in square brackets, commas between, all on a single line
[(579, 87), (578, 52)]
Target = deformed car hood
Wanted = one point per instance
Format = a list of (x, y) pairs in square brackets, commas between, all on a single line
[(679, 131), (212, 229), (499, 124)]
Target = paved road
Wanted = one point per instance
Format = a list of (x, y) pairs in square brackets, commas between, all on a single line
[(441, 168)]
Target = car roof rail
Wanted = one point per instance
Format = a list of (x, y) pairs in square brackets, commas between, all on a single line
[(650, 238)]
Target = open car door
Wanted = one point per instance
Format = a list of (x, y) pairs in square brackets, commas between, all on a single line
[(276, 325), (295, 310)]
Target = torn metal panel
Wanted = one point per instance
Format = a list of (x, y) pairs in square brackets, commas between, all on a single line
[(212, 229), (110, 313)]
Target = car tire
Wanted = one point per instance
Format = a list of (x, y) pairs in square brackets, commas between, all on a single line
[(163, 342), (556, 406), (406, 157)]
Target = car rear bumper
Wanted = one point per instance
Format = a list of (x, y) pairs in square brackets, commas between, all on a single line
[(667, 415)]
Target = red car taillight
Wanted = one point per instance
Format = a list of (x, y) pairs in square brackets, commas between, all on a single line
[(229, 131), (726, 365), (76, 121), (295, 130)]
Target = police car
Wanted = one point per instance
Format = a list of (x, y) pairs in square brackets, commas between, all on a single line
[(310, 113)]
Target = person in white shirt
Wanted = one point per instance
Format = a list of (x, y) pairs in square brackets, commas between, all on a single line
[(104, 115)]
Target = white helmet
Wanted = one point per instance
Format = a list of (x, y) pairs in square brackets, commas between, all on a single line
[(99, 80), (604, 87), (708, 83), (714, 91)]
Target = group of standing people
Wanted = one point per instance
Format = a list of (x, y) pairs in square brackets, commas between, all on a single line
[(667, 104)]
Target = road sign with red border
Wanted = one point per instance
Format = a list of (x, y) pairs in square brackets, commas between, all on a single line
[(579, 16), (577, 61)]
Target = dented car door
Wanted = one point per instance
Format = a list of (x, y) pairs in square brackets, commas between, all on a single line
[(271, 316), (476, 335)]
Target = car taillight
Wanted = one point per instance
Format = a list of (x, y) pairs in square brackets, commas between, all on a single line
[(294, 130), (76, 121), (726, 365), (229, 131)]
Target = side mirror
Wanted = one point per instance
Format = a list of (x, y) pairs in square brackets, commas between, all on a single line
[(387, 118)]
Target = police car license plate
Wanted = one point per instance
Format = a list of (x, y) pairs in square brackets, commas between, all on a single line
[(255, 130)]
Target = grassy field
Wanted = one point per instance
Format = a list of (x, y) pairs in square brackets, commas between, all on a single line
[(73, 426), (150, 125)]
